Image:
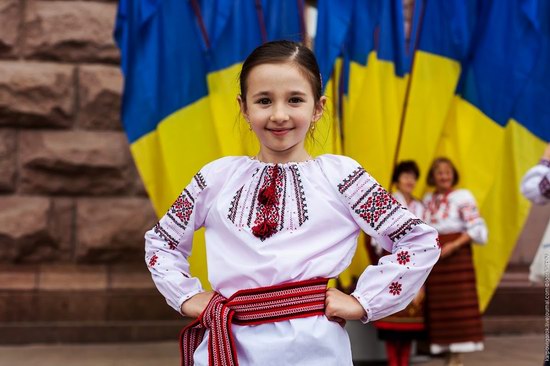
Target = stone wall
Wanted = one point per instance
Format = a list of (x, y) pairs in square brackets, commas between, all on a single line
[(69, 190)]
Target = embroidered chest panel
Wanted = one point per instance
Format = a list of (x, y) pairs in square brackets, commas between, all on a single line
[(273, 201), (438, 208)]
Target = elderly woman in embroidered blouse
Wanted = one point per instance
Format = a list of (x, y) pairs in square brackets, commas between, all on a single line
[(277, 226), (454, 321)]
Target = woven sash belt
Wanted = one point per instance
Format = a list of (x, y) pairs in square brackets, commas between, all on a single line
[(249, 307)]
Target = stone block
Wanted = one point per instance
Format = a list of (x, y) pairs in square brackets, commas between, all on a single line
[(7, 160), (10, 18)]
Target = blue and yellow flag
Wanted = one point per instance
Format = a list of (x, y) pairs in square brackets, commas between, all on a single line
[(165, 109), (180, 60), (468, 79), (364, 42)]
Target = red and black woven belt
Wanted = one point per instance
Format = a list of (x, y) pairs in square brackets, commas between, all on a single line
[(249, 307)]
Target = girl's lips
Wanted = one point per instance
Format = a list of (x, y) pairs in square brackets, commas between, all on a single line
[(279, 132)]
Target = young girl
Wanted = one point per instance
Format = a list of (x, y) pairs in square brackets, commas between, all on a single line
[(454, 321), (278, 225)]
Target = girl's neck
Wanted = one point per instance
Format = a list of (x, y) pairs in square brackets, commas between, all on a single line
[(282, 157)]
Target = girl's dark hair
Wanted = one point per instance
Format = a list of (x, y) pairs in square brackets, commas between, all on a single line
[(280, 52), (407, 166), (431, 179)]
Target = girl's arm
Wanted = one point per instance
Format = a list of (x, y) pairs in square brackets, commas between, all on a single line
[(168, 244), (389, 286)]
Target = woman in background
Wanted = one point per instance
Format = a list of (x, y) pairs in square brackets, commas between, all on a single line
[(453, 317), (400, 329)]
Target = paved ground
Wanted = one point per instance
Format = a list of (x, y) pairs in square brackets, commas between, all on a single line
[(523, 350)]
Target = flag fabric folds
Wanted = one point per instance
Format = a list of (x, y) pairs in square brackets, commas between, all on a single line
[(180, 60), (469, 82)]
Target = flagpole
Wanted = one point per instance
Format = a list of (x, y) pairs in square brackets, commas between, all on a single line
[(408, 90), (197, 10), (261, 20), (302, 18)]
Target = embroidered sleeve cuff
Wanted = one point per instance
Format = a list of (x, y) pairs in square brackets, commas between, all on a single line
[(365, 319), (186, 297)]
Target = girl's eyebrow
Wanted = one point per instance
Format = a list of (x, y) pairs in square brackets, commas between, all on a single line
[(266, 93), (261, 93)]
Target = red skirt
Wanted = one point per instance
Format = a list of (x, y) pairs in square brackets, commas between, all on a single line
[(452, 308)]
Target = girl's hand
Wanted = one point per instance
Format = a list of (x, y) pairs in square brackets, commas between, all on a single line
[(196, 304), (340, 307)]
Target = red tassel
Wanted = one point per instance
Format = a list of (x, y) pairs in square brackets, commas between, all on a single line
[(267, 196), (264, 229)]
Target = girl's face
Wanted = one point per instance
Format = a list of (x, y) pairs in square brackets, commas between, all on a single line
[(406, 182), (280, 108), (443, 177)]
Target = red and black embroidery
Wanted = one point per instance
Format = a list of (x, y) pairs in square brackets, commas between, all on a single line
[(283, 203), (351, 179), (179, 214), (301, 204), (256, 190), (404, 229), (267, 214), (274, 201), (200, 180), (438, 207), (468, 212), (172, 243), (403, 257), (153, 260), (181, 210), (395, 288), (544, 187), (378, 207), (234, 205)]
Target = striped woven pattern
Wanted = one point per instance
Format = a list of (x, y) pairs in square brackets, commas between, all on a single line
[(249, 307), (451, 298)]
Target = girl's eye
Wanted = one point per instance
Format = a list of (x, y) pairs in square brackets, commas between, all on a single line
[(263, 101), (296, 100)]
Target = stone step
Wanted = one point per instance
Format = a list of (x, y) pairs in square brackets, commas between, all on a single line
[(517, 296), (90, 332), (80, 293), (82, 303), (500, 325)]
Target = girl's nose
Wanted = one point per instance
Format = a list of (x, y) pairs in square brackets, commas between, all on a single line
[(279, 115)]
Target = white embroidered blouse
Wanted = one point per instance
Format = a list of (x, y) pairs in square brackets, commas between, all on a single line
[(535, 184), (455, 212), (310, 232)]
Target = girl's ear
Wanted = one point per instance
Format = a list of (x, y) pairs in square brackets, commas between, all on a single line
[(242, 106), (319, 108)]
